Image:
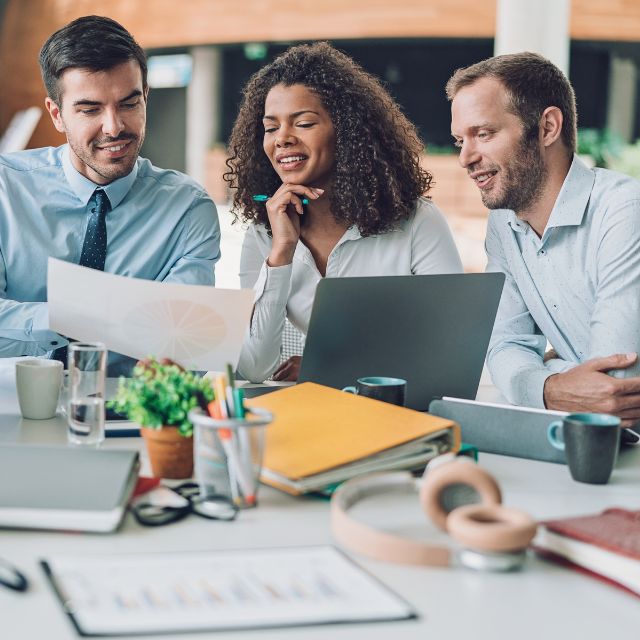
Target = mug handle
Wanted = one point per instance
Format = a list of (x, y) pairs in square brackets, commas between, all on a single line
[(351, 390), (552, 436)]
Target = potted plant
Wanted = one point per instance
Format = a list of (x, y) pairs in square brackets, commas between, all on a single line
[(159, 397)]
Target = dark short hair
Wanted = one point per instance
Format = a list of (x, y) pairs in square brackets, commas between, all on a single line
[(377, 177), (96, 43), (532, 82)]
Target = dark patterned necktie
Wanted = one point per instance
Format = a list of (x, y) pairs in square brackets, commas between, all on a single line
[(94, 247)]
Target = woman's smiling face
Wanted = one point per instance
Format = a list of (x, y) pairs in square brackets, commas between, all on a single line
[(299, 137)]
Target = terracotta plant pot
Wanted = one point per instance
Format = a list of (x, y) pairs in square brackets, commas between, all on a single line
[(170, 454)]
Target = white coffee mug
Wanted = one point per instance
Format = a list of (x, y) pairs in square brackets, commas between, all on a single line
[(38, 383)]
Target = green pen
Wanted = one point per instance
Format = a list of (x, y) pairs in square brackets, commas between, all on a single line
[(261, 197), (238, 401)]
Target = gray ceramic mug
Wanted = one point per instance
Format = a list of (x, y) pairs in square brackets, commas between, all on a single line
[(393, 390), (590, 442)]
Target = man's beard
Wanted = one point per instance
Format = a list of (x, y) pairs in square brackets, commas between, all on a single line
[(114, 169), (522, 178)]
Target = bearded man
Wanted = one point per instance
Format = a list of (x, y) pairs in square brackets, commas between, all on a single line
[(94, 201), (566, 236)]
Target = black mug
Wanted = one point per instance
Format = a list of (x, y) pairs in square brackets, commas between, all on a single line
[(590, 442), (393, 390)]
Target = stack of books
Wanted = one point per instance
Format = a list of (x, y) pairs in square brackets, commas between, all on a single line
[(606, 545), (322, 436)]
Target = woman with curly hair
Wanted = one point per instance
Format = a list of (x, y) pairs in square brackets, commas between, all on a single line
[(346, 195)]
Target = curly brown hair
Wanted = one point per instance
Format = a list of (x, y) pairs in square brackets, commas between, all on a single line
[(377, 177)]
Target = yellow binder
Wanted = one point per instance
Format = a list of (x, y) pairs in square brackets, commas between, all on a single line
[(321, 436)]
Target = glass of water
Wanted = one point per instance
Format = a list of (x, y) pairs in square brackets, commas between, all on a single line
[(85, 408)]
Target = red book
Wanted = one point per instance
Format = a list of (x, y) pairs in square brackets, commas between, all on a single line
[(606, 545)]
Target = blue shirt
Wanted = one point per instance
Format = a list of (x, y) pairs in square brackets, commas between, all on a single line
[(577, 287), (161, 226)]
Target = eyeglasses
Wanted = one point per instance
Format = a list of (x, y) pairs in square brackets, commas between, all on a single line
[(11, 578), (213, 506)]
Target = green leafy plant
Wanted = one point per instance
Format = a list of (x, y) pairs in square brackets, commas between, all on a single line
[(162, 393), (628, 160), (602, 145)]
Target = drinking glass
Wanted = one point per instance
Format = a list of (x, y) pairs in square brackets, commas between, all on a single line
[(85, 414)]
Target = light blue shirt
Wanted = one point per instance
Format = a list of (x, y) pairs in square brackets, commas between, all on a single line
[(577, 287), (162, 226)]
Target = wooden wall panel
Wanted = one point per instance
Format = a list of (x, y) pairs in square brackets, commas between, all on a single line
[(167, 23), (615, 20), (159, 23)]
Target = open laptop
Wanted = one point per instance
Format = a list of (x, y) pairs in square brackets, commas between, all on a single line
[(433, 331)]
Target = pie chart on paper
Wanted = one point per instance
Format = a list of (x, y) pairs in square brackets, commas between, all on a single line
[(176, 329)]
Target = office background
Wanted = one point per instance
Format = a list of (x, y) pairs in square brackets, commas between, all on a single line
[(202, 52)]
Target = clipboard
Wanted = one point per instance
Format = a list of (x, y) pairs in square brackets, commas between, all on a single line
[(113, 595)]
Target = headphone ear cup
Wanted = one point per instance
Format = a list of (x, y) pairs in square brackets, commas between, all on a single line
[(491, 527), (454, 484)]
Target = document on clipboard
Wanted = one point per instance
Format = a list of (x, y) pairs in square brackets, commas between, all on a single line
[(213, 591), (200, 327)]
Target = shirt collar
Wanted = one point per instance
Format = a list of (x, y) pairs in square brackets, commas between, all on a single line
[(302, 252), (571, 203), (352, 233), (84, 188)]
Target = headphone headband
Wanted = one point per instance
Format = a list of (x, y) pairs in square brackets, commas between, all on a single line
[(486, 527)]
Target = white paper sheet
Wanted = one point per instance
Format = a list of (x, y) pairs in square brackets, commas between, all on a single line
[(152, 593), (200, 327)]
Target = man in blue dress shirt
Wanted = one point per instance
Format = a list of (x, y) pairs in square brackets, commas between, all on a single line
[(160, 224), (566, 236)]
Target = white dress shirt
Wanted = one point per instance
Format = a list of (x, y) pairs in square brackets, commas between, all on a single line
[(577, 287), (421, 245)]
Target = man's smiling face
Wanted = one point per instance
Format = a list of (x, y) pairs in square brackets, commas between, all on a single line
[(103, 115), (505, 163)]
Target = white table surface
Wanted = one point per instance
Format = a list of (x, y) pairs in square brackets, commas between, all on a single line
[(543, 600)]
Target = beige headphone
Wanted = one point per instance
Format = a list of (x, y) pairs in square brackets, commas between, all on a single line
[(460, 498)]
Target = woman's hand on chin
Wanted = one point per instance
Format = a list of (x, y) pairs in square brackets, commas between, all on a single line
[(284, 209)]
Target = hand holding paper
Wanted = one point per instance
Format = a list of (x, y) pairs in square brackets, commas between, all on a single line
[(200, 327)]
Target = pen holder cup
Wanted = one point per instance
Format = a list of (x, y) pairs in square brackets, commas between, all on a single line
[(228, 455)]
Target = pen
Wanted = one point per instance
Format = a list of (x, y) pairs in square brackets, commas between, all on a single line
[(215, 411), (238, 474), (261, 197), (231, 383)]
